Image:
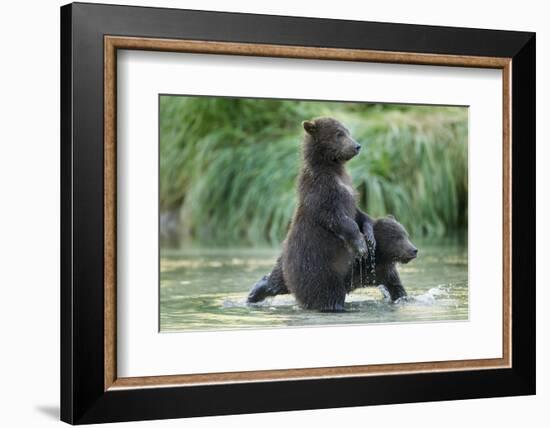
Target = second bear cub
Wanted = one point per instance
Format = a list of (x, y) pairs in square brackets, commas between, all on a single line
[(392, 246)]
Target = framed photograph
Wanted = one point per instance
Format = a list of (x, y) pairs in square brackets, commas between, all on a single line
[(267, 213)]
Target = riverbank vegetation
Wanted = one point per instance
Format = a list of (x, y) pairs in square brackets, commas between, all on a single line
[(228, 166)]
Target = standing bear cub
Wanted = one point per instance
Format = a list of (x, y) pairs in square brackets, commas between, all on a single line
[(328, 232)]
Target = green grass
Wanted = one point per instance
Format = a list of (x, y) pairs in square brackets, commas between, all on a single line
[(229, 166)]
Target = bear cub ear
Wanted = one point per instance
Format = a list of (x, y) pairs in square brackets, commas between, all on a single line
[(309, 126)]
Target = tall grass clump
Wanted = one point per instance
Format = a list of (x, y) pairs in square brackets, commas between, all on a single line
[(229, 166)]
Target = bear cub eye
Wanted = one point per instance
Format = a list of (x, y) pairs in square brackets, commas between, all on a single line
[(340, 134)]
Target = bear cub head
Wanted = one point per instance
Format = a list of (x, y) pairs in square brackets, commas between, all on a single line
[(392, 242), (329, 140)]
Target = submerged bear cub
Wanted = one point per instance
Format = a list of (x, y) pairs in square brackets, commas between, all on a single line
[(392, 246), (328, 232)]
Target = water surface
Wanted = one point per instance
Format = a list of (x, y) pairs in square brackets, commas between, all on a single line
[(207, 288)]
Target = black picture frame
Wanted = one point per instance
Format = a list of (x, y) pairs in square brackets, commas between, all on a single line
[(83, 398)]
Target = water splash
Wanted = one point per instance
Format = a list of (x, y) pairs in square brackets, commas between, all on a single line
[(351, 279), (431, 296), (361, 271), (385, 293)]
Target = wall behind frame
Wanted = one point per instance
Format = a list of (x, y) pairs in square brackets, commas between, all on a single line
[(29, 220)]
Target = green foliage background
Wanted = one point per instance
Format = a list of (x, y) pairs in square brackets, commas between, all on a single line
[(228, 166)]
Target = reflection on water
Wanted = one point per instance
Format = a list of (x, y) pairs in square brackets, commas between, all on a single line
[(207, 288)]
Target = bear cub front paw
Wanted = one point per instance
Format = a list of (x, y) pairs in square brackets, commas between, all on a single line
[(360, 246)]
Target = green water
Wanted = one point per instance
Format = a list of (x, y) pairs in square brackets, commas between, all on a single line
[(207, 288)]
